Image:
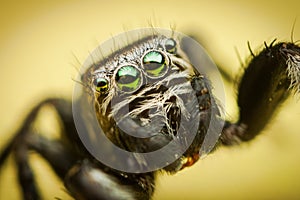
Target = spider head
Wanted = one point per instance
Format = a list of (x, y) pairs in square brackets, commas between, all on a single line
[(147, 96)]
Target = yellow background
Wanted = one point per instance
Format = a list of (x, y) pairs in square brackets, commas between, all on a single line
[(38, 41)]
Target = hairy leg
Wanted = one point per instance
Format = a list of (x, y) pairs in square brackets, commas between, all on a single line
[(83, 177), (27, 139), (266, 83)]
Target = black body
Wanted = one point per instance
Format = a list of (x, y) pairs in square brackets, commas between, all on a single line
[(265, 84)]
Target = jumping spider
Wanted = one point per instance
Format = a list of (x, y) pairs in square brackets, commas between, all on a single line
[(147, 107)]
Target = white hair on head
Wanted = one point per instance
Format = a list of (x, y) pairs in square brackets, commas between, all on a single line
[(293, 70)]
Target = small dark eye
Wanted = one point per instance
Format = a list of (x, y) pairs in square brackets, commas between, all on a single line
[(154, 63), (170, 45), (101, 84), (128, 78)]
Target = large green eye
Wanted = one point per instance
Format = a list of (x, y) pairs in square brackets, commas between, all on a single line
[(128, 78), (154, 63), (101, 84)]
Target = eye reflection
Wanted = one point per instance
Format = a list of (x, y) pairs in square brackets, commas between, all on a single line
[(170, 45), (128, 78), (154, 63), (101, 84)]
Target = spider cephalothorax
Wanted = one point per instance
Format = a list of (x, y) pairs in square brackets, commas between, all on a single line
[(147, 94)]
